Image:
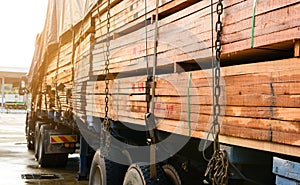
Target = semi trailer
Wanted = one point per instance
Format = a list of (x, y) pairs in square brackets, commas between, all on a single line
[(168, 91)]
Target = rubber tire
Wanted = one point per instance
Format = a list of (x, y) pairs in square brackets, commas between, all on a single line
[(30, 135), (139, 174), (172, 174), (37, 135), (106, 172), (49, 160)]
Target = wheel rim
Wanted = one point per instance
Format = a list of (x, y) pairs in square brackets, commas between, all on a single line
[(97, 179), (36, 143), (28, 136), (172, 174), (133, 177), (40, 148)]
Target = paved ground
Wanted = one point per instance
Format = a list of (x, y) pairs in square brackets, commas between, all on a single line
[(16, 160)]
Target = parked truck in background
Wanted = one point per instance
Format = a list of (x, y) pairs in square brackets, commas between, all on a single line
[(14, 101), (168, 91)]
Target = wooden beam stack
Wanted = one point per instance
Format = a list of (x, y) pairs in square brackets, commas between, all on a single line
[(259, 101), (186, 34)]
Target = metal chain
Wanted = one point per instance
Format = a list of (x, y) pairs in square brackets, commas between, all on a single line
[(106, 123), (217, 73), (217, 168), (107, 53)]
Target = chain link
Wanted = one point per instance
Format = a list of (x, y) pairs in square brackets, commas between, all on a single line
[(220, 167), (217, 73), (107, 54), (217, 168), (105, 132)]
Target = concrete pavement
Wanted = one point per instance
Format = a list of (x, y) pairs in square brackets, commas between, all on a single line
[(16, 160)]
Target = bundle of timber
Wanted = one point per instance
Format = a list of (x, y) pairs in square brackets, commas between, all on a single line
[(82, 62), (185, 32), (82, 69), (82, 58), (58, 72), (253, 21), (259, 101), (79, 99), (127, 99)]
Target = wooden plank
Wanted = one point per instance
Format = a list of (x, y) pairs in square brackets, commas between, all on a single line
[(286, 138), (263, 40), (243, 142), (261, 145)]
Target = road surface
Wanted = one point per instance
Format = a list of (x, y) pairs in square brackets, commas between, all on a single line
[(16, 160)]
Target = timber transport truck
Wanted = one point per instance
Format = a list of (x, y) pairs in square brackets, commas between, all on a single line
[(168, 91)]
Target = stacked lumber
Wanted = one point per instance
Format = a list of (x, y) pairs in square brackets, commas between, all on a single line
[(82, 71), (58, 72), (83, 59), (125, 12), (79, 99), (238, 23), (81, 74), (128, 46), (186, 34), (127, 99), (259, 101), (64, 71)]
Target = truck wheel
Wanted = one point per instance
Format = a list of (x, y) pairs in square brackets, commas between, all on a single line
[(37, 136), (36, 144), (30, 135), (30, 140), (139, 174), (42, 158), (106, 172), (172, 175), (49, 160)]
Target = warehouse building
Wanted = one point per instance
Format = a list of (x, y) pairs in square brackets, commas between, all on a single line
[(10, 77)]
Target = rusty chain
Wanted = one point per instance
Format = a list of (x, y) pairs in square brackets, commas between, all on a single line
[(217, 168), (107, 53), (105, 135)]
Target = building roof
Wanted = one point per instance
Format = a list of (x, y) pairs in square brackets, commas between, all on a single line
[(12, 72), (13, 69)]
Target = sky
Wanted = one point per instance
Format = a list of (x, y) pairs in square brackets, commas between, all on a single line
[(21, 21)]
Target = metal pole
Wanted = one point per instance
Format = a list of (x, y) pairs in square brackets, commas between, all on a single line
[(2, 96)]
